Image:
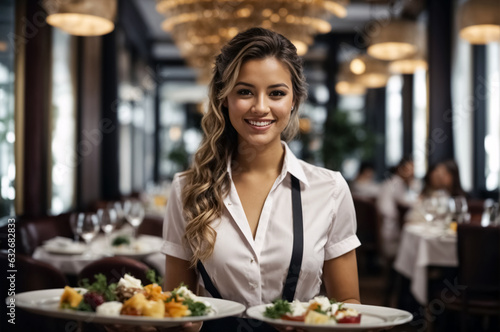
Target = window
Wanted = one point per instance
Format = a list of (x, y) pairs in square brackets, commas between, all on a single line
[(62, 132), (394, 121), (420, 122), (7, 129), (492, 137)]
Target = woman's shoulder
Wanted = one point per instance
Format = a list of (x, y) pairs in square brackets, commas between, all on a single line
[(180, 179), (317, 174)]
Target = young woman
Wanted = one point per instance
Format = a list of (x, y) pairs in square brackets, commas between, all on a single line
[(249, 222)]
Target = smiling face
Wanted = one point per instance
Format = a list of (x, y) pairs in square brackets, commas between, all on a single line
[(260, 102)]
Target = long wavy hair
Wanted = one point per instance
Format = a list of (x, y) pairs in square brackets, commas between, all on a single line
[(207, 181)]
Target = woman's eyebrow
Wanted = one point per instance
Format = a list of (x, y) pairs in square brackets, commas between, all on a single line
[(278, 85)]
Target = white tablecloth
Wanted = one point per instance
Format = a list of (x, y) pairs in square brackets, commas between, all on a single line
[(422, 246), (73, 264)]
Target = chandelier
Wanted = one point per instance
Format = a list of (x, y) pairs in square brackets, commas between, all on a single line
[(200, 27)]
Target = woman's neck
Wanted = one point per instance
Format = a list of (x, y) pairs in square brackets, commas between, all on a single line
[(259, 159)]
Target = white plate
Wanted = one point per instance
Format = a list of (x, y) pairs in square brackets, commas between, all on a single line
[(46, 302), (73, 249), (372, 317), (132, 252)]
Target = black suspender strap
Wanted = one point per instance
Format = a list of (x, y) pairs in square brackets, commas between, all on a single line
[(209, 286), (298, 243), (297, 251)]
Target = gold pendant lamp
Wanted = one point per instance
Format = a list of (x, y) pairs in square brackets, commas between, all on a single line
[(479, 21), (397, 40), (82, 17)]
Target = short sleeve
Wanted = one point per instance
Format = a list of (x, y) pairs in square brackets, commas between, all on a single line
[(174, 225), (342, 233)]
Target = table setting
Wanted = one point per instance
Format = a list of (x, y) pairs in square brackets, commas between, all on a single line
[(104, 233), (429, 238)]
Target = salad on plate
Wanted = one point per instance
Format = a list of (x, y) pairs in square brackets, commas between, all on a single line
[(130, 297), (319, 310)]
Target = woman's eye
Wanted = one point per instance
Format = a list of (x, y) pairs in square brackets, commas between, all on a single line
[(244, 92), (278, 93)]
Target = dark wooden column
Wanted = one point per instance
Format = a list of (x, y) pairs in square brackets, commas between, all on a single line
[(440, 140), (407, 95), (89, 126), (479, 118), (36, 36), (331, 68), (375, 122), (110, 168)]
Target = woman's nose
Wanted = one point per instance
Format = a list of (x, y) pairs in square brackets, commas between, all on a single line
[(261, 105)]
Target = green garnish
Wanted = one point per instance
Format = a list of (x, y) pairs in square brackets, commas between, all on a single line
[(100, 285), (153, 278), (84, 306), (196, 308), (279, 308), (66, 305), (119, 240)]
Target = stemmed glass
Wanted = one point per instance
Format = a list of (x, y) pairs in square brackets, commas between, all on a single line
[(120, 215), (90, 227), (458, 208), (430, 207), (108, 221), (134, 212), (75, 222)]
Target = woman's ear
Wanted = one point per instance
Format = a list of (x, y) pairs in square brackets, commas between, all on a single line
[(224, 102)]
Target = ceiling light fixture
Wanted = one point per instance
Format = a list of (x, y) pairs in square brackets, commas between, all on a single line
[(82, 17), (396, 40), (200, 27), (479, 21), (375, 74)]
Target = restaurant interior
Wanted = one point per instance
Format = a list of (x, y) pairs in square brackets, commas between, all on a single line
[(101, 103)]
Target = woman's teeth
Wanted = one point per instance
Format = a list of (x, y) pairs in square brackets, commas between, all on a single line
[(259, 123)]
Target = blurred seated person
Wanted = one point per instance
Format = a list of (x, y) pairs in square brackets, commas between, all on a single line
[(441, 181), (393, 191), (364, 184)]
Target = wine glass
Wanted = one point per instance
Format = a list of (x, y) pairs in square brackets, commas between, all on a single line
[(120, 215), (90, 227), (108, 221), (75, 222), (430, 206), (134, 212), (459, 208)]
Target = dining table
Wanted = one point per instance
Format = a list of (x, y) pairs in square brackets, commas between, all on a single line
[(71, 257), (423, 245)]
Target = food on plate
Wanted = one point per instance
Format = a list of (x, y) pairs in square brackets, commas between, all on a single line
[(111, 308), (319, 310), (138, 305), (130, 297), (120, 240), (70, 298), (127, 287)]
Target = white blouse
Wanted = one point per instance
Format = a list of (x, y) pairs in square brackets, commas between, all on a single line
[(252, 271)]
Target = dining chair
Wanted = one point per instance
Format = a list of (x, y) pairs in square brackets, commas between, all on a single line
[(151, 225), (478, 272), (32, 232), (33, 274), (476, 208), (114, 268), (366, 217)]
